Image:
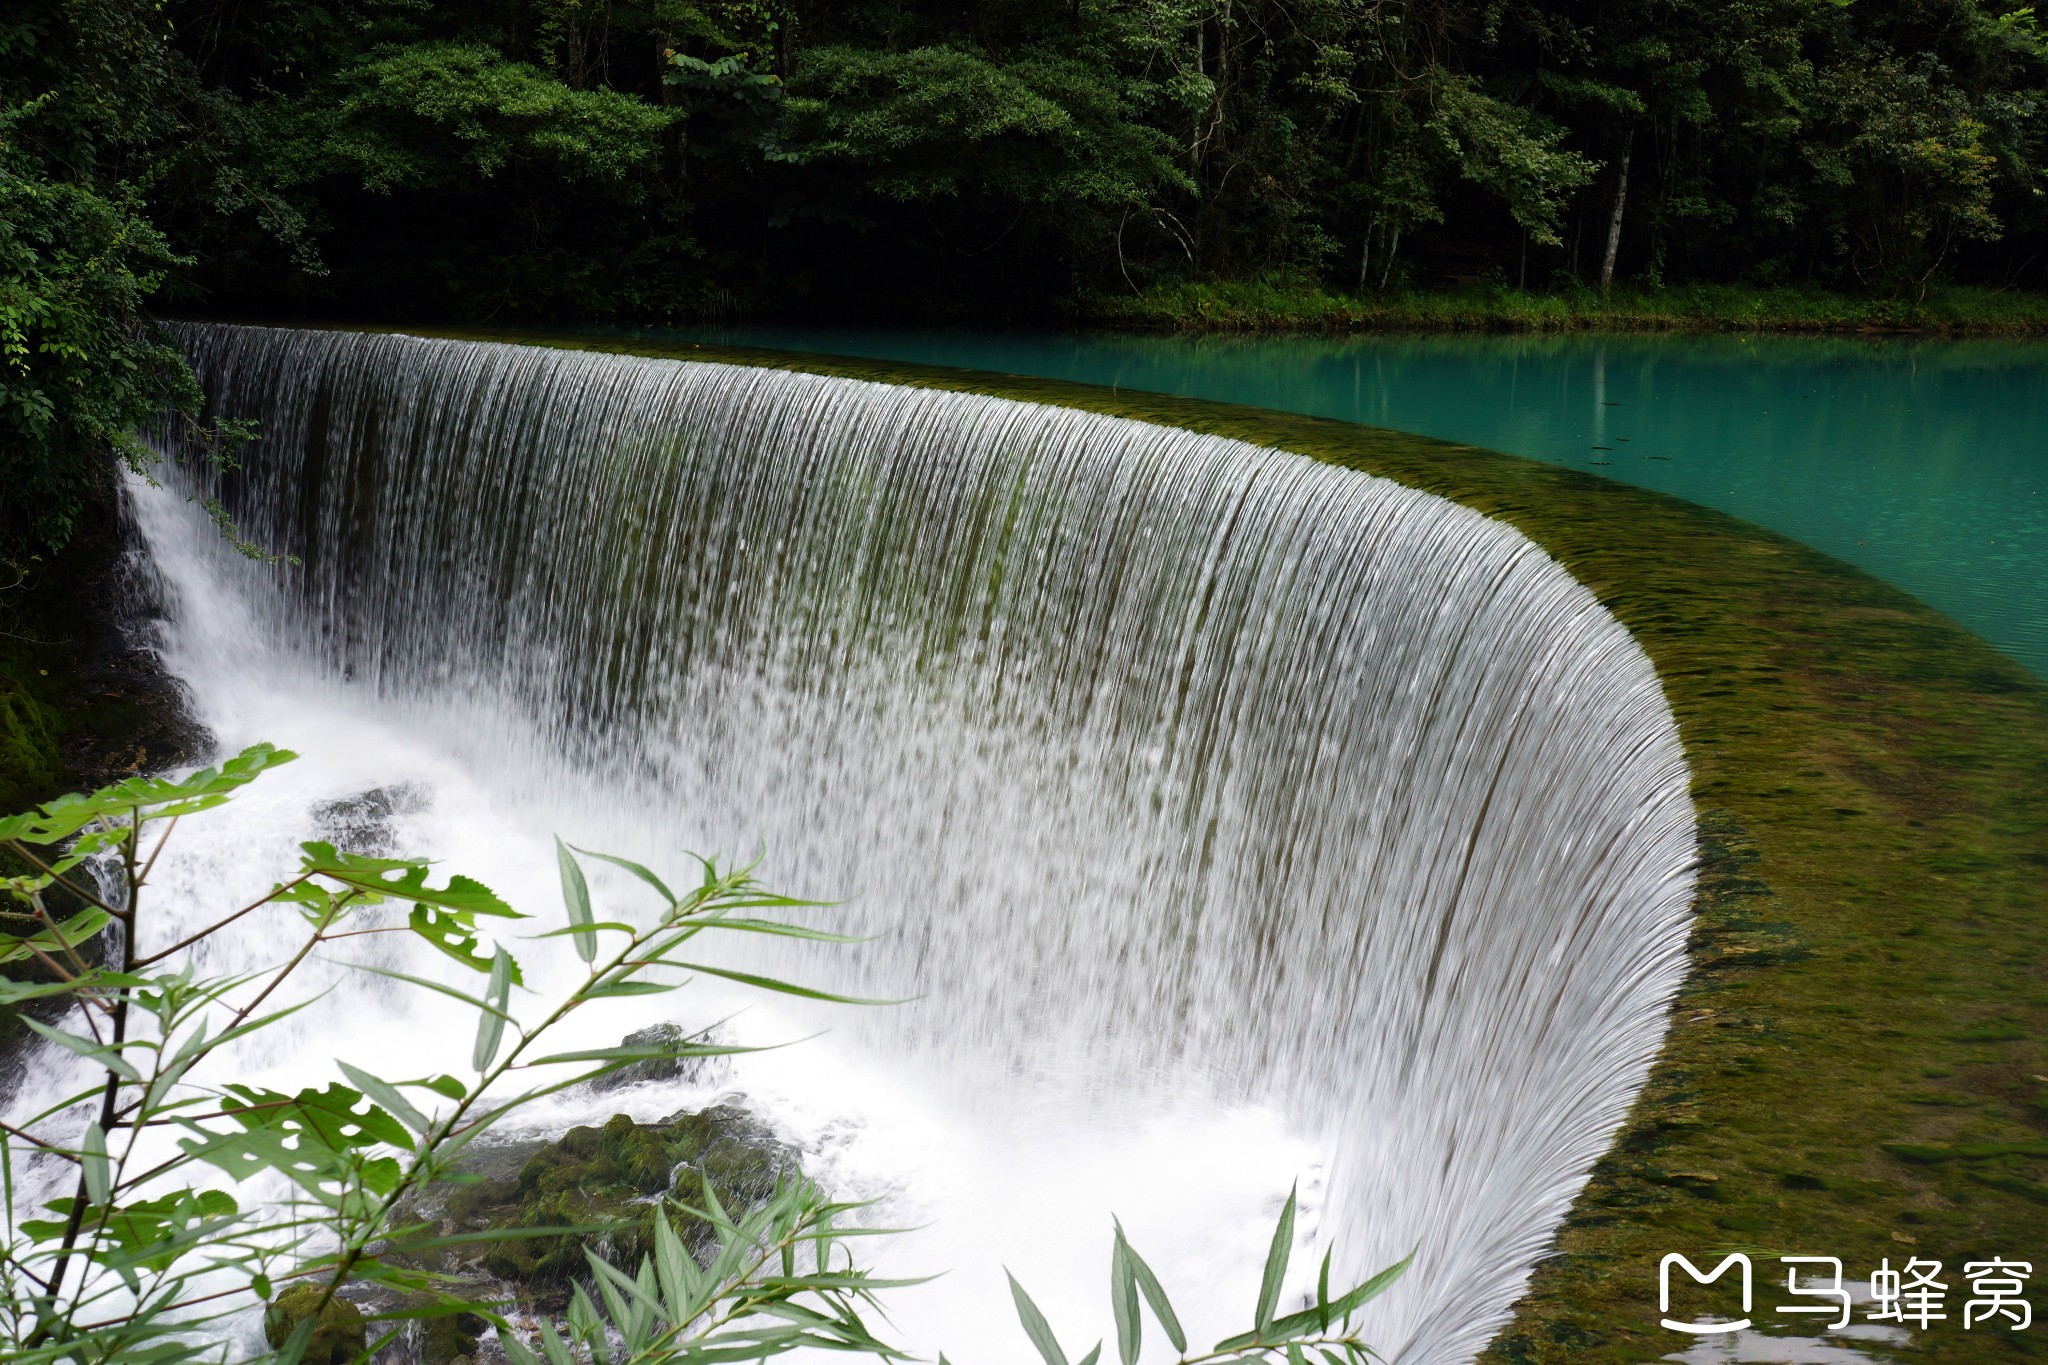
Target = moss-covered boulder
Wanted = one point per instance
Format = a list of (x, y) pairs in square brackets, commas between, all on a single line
[(341, 1332), (612, 1178), (450, 1337)]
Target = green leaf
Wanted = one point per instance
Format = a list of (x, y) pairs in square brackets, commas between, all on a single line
[(56, 940), (660, 888), (1276, 1262), (107, 1058), (1035, 1325), (152, 798), (455, 935), (490, 1025), (446, 1086), (1123, 1302), (401, 879), (626, 1055), (767, 983), (387, 1095), (576, 895), (1155, 1295), (14, 992), (99, 1172), (1339, 1309), (337, 1117)]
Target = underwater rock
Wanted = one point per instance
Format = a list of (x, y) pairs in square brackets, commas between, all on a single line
[(342, 1333)]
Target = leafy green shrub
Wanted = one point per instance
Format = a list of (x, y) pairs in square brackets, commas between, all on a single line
[(738, 1257)]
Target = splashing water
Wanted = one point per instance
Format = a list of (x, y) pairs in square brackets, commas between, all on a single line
[(1233, 818)]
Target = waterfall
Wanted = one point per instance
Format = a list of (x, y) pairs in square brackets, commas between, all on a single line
[(1170, 772)]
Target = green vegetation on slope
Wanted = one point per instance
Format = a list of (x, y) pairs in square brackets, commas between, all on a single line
[(1854, 1063)]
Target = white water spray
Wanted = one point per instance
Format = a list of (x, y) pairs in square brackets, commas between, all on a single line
[(1235, 817)]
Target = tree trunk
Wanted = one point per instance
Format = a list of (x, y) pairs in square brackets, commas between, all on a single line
[(1614, 223), (1393, 245)]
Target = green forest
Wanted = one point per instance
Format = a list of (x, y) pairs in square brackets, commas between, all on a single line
[(1126, 161)]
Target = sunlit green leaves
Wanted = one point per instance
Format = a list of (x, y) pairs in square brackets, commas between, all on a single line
[(147, 798)]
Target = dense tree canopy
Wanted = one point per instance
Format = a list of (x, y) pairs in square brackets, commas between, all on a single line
[(586, 157), (650, 159)]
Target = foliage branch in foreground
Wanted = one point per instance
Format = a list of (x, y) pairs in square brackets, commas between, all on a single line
[(144, 1256)]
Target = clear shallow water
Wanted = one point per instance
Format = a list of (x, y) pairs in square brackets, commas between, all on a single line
[(1922, 462)]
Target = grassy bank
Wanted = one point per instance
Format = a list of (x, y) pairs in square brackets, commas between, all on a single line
[(1277, 307), (1854, 1066)]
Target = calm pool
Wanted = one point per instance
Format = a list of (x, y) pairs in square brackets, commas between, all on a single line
[(1924, 462)]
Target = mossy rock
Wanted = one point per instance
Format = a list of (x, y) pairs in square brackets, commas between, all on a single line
[(449, 1337), (341, 1333), (612, 1176)]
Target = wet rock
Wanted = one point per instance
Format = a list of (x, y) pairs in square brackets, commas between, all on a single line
[(366, 823), (614, 1175), (341, 1333), (450, 1338), (688, 1070)]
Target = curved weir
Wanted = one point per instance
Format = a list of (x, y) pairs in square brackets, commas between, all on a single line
[(1176, 776)]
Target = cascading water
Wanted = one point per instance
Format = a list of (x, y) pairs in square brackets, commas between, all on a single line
[(1233, 817)]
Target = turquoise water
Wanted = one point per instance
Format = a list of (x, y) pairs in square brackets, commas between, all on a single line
[(1923, 462)]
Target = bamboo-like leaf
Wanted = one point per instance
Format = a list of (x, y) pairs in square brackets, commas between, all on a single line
[(386, 1095), (660, 888), (1308, 1319), (1277, 1256), (99, 1172), (516, 1349), (1155, 1295), (490, 1025), (1035, 1325), (107, 1058), (576, 895), (677, 1269), (768, 983), (625, 1055), (1123, 1302)]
